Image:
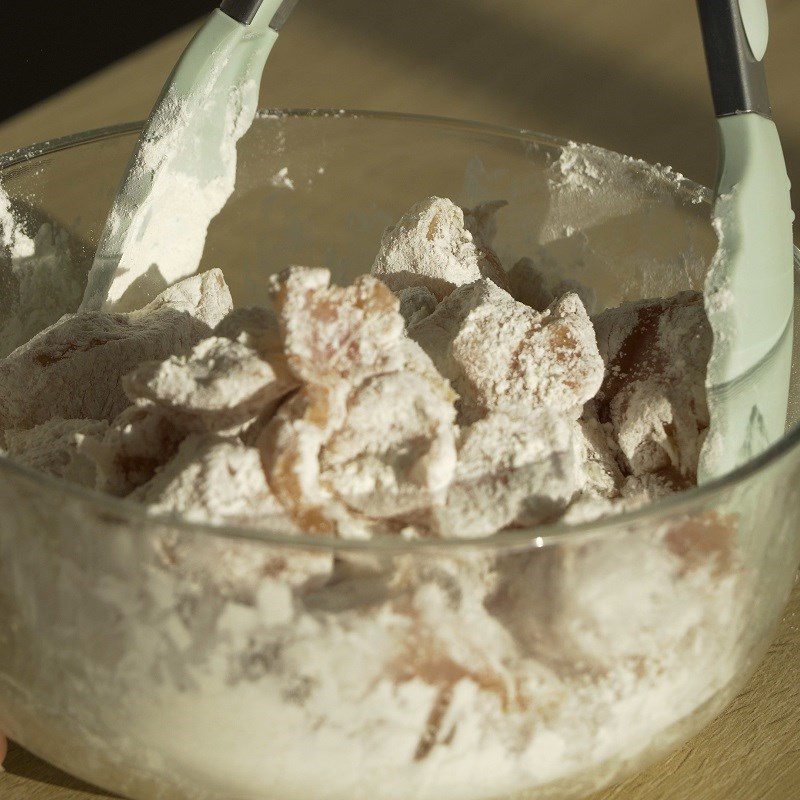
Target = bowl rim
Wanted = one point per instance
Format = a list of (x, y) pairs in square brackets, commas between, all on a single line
[(127, 511)]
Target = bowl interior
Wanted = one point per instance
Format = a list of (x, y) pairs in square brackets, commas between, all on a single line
[(319, 188)]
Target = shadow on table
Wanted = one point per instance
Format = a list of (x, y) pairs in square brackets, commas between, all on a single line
[(24, 765)]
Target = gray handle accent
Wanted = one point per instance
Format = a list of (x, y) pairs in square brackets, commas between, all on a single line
[(244, 11), (738, 80), (283, 14)]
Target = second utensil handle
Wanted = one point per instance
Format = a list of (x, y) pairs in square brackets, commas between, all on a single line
[(244, 11), (734, 43)]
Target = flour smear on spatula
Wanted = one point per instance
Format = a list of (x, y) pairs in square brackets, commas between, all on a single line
[(178, 183)]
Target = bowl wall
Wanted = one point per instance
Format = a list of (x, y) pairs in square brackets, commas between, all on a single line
[(169, 662)]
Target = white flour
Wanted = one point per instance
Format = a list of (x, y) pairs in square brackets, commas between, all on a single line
[(161, 238), (577, 170), (12, 236), (281, 179), (413, 675)]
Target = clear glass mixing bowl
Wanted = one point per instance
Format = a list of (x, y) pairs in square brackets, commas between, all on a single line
[(169, 660)]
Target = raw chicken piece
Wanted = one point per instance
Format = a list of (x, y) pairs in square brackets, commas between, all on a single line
[(290, 447), (332, 333), (394, 452), (635, 598), (384, 448), (213, 479), (218, 480), (656, 354), (54, 448), (219, 385), (513, 468), (501, 355), (428, 247), (73, 369), (658, 427), (372, 430), (139, 441)]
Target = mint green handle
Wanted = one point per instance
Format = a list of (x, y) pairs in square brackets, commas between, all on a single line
[(183, 169), (749, 296), (755, 21), (750, 289)]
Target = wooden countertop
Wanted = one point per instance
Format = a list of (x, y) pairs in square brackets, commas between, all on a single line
[(621, 73)]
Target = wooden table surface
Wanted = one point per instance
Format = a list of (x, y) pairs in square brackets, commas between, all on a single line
[(624, 74)]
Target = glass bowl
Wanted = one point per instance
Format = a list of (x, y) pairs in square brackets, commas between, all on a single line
[(169, 660)]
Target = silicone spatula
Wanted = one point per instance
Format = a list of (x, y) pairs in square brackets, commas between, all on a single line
[(749, 289), (184, 166)]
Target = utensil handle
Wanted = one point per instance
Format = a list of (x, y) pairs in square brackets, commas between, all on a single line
[(244, 11), (735, 34)]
